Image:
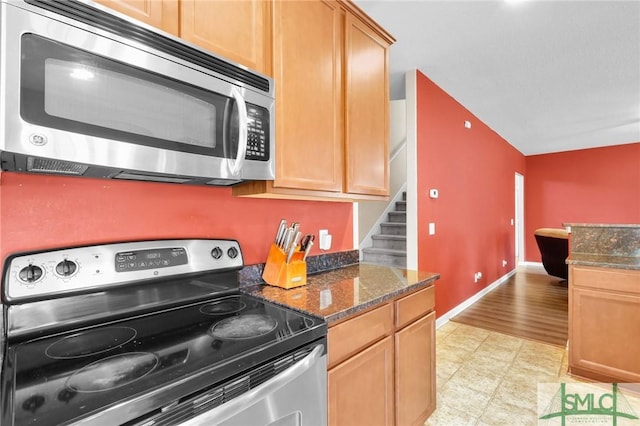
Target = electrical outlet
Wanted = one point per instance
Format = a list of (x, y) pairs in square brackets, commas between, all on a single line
[(504, 263), (477, 276), (325, 239)]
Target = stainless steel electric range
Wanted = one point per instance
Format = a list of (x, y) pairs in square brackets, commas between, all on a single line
[(153, 333)]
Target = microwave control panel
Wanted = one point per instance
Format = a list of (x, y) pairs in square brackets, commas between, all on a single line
[(257, 133)]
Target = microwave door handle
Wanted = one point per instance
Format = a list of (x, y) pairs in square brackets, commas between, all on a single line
[(242, 131)]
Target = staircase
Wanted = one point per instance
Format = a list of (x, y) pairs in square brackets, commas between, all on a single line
[(390, 245)]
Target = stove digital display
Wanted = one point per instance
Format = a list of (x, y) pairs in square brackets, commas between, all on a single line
[(150, 259)]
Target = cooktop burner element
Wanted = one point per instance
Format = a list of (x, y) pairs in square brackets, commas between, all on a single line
[(229, 306), (112, 372), (90, 342), (244, 327)]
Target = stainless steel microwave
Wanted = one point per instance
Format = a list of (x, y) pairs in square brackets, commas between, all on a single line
[(89, 92)]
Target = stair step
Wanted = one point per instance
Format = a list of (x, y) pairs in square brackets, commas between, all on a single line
[(393, 228), (397, 242), (401, 206), (398, 217), (385, 256)]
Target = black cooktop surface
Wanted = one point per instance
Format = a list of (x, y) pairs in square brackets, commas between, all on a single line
[(148, 361)]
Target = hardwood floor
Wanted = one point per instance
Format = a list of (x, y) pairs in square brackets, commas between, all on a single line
[(531, 305)]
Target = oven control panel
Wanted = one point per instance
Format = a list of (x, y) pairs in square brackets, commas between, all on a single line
[(140, 260), (62, 271)]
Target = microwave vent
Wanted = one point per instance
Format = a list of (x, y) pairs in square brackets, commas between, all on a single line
[(44, 165), (151, 178)]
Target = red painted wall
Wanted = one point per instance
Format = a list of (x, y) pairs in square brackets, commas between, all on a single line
[(39, 212), (598, 185), (474, 171)]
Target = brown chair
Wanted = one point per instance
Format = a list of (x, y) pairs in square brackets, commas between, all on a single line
[(554, 249)]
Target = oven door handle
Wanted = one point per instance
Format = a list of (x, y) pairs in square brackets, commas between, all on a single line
[(239, 404)]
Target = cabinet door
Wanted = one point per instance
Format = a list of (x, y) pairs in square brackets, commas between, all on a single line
[(367, 110), (307, 71), (415, 371), (237, 30), (603, 334), (361, 388), (162, 14)]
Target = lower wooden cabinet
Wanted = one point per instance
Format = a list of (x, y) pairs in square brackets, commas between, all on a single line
[(604, 323), (382, 364), (415, 368), (361, 389)]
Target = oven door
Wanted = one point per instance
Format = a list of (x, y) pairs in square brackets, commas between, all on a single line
[(80, 94), (297, 396)]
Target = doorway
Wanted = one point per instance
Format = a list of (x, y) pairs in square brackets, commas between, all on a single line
[(519, 219)]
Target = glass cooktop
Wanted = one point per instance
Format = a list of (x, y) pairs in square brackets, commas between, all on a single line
[(71, 375)]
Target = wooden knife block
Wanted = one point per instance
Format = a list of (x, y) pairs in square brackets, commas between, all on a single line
[(277, 272)]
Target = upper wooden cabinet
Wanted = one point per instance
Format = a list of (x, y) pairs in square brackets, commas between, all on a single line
[(237, 30), (161, 14), (367, 108), (308, 76), (330, 65)]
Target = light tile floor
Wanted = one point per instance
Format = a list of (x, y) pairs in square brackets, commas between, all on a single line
[(488, 378)]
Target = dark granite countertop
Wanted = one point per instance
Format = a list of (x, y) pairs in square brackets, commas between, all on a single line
[(342, 292), (604, 261), (605, 245)]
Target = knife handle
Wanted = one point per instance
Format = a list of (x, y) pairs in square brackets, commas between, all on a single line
[(294, 244), (307, 250), (304, 242), (281, 228)]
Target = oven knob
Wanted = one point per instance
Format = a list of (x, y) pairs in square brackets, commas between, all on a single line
[(232, 252), (66, 268), (216, 253), (30, 274)]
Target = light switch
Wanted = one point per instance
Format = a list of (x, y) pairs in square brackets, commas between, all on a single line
[(432, 228), (433, 193)]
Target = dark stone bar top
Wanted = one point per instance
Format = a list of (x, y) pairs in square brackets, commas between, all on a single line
[(604, 261), (345, 291), (605, 245)]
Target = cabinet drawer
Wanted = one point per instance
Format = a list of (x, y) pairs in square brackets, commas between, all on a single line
[(623, 280), (414, 306), (349, 337)]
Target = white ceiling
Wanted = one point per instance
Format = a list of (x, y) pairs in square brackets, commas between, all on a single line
[(547, 76)]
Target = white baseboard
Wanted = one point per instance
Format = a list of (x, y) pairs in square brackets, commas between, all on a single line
[(535, 267), (473, 299), (534, 264)]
